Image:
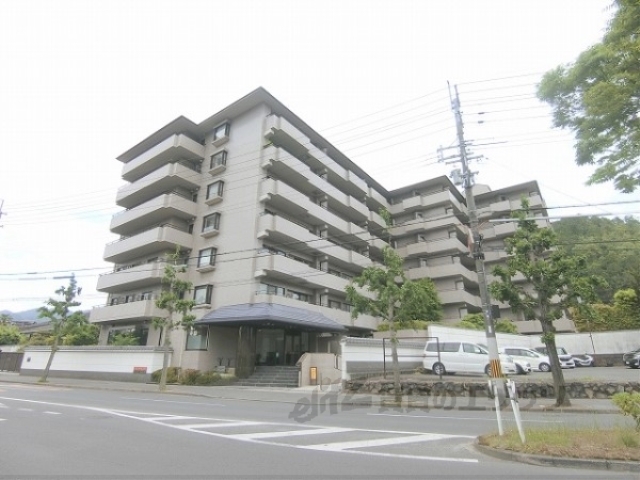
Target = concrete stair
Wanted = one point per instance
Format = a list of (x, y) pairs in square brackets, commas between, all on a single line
[(271, 376)]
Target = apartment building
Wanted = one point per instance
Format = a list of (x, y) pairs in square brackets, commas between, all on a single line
[(271, 222)]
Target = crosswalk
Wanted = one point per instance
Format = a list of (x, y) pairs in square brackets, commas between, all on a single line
[(338, 439), (320, 438)]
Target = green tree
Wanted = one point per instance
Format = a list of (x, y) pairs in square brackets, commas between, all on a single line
[(59, 313), (10, 334), (610, 248), (5, 319), (555, 283), (394, 299), (598, 98), (177, 309), (79, 331), (475, 321)]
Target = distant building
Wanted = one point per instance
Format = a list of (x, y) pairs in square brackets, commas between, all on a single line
[(273, 222)]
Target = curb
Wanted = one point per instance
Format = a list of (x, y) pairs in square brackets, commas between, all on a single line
[(549, 461)]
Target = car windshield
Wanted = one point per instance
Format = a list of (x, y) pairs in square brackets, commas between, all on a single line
[(562, 351)]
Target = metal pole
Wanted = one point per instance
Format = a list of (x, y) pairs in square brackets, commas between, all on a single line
[(478, 255)]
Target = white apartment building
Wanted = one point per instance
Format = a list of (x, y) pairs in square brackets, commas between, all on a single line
[(272, 222)]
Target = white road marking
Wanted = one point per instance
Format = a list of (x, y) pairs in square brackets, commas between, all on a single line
[(165, 418), (52, 413), (289, 433), (379, 442), (338, 447), (26, 409), (199, 426)]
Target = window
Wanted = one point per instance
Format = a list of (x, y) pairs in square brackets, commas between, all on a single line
[(471, 348), (216, 188), (214, 192), (207, 257), (334, 304), (218, 160), (198, 338), (133, 335), (459, 285), (202, 294), (462, 312), (145, 296), (221, 133), (298, 296), (271, 289), (211, 223)]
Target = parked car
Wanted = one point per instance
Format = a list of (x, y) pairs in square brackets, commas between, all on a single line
[(583, 360), (461, 357), (632, 358), (566, 359), (537, 360)]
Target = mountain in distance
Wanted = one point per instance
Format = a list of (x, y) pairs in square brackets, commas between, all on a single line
[(26, 315)]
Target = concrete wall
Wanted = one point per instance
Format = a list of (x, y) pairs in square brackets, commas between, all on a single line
[(327, 365), (133, 364), (605, 343), (366, 356)]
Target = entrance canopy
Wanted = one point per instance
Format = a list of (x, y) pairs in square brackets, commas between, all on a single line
[(270, 315)]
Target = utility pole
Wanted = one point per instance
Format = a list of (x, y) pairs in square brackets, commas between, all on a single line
[(497, 379)]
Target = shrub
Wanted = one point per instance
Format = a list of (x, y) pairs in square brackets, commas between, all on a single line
[(208, 378), (189, 376), (629, 403), (172, 375)]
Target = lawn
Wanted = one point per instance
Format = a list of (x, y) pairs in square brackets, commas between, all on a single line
[(619, 443)]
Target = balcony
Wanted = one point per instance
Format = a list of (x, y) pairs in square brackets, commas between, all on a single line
[(290, 270), (445, 245), (164, 179), (420, 202), (140, 276), (448, 297), (126, 312), (280, 132), (376, 201), (153, 212), (176, 147), (162, 238), (443, 271), (281, 230)]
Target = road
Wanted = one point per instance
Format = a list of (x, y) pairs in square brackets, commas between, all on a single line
[(65, 432)]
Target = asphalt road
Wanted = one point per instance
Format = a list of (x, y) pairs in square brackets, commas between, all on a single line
[(65, 432)]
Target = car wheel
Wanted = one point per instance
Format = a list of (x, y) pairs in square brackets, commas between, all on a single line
[(438, 369), (519, 370), (544, 367), (487, 369)]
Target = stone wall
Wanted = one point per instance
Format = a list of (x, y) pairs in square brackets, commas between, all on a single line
[(481, 389)]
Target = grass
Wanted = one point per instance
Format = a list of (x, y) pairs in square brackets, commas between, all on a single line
[(619, 443)]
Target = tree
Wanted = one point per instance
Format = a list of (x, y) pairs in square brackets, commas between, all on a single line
[(5, 319), (396, 299), (598, 98), (59, 313), (610, 247), (177, 309), (79, 331), (475, 321), (10, 334), (555, 282), (622, 315)]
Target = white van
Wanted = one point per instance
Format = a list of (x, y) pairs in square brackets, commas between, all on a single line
[(537, 360), (460, 357)]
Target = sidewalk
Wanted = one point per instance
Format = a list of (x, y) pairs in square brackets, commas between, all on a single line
[(314, 395)]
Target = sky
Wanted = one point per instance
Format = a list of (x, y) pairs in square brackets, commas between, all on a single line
[(82, 82)]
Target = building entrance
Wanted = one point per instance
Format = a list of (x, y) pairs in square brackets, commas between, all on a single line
[(276, 346)]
